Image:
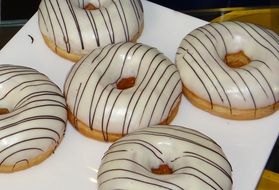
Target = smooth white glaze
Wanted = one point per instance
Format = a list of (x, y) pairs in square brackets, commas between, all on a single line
[(93, 98), (79, 31), (196, 160), (200, 60), (37, 114)]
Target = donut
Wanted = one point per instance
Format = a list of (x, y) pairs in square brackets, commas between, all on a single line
[(120, 88), (231, 69), (73, 28), (165, 157), (33, 117)]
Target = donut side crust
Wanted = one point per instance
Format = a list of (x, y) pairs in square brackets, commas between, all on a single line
[(225, 112), (98, 135), (32, 162), (76, 57)]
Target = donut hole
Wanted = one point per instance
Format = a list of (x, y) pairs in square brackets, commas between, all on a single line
[(4, 111), (236, 60), (163, 169), (126, 83), (90, 7)]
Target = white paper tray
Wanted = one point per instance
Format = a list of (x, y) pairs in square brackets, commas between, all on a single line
[(74, 165)]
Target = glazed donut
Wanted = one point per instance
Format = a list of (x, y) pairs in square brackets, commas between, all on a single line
[(231, 69), (33, 117), (73, 28), (120, 88), (165, 157)]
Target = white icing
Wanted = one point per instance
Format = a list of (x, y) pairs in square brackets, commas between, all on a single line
[(196, 160), (93, 98), (204, 72), (79, 31), (37, 114)]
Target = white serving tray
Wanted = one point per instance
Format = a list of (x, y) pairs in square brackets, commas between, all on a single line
[(75, 163)]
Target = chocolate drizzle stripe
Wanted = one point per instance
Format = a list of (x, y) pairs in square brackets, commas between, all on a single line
[(111, 26), (209, 78), (258, 82), (141, 93), (133, 179), (109, 33), (163, 74), (16, 152), (21, 84), (218, 32), (201, 81), (268, 32), (232, 79), (248, 32), (113, 152), (269, 86), (42, 16), (126, 160), (32, 118), (262, 63), (250, 92), (136, 12), (182, 139), (139, 175), (214, 46), (104, 131), (203, 159), (28, 140), (199, 178), (141, 143), (163, 89), (93, 26), (38, 94), (195, 170), (264, 38), (118, 143), (169, 98), (59, 24), (122, 22), (32, 129), (226, 28), (17, 75), (66, 36), (20, 161), (76, 22), (51, 24)]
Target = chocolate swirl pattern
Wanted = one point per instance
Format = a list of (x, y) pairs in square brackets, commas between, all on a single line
[(78, 31), (196, 160), (35, 118), (200, 60), (93, 97)]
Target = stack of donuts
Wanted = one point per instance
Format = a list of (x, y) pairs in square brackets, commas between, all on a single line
[(128, 93)]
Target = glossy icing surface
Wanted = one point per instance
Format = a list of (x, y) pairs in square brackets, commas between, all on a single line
[(93, 98), (37, 114), (200, 60), (196, 160), (79, 31)]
